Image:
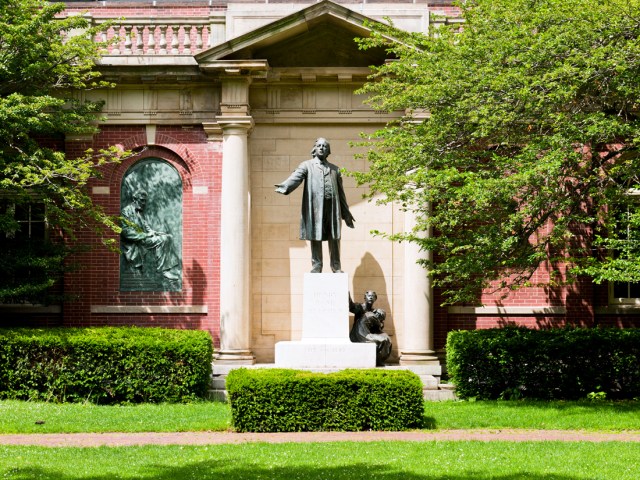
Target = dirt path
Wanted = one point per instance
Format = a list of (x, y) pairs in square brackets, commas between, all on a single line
[(212, 438)]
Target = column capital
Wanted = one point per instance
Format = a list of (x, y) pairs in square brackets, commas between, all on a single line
[(213, 131), (228, 122)]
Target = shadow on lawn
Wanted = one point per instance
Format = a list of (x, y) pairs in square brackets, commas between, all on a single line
[(229, 470), (428, 423)]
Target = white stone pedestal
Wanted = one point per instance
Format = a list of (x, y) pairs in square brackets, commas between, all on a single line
[(325, 329)]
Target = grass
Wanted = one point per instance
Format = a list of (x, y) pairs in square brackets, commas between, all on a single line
[(433, 460), (383, 460), (555, 415), (21, 417)]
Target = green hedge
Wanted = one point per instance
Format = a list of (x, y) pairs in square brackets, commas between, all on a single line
[(566, 363), (281, 400), (104, 365)]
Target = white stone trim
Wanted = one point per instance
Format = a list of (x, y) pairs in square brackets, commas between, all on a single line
[(200, 190), (151, 134), (509, 310), (29, 308), (150, 309), (146, 61), (618, 310), (101, 190)]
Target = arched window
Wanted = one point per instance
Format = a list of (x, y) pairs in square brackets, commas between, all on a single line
[(151, 238)]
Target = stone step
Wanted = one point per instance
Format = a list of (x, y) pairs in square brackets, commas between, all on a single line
[(430, 395), (219, 383), (435, 370), (439, 395), (433, 390)]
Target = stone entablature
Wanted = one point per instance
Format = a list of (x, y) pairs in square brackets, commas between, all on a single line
[(274, 99), (311, 97), (159, 104)]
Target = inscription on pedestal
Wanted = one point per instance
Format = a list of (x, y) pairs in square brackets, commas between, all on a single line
[(325, 307)]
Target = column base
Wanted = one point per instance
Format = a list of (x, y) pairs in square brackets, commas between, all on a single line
[(234, 357), (426, 357)]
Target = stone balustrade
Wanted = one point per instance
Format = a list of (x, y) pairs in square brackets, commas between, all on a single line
[(156, 36)]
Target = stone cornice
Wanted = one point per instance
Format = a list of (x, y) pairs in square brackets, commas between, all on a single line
[(146, 61), (134, 69), (318, 74), (235, 68)]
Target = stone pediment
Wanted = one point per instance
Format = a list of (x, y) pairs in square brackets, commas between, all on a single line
[(321, 35)]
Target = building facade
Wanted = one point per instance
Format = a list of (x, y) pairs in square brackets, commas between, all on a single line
[(219, 101)]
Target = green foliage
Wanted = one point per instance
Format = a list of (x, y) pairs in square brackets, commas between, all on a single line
[(104, 365), (597, 396), (522, 133), (45, 64), (280, 400), (545, 364), (30, 270)]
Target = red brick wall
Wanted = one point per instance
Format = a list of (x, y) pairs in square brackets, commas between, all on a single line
[(96, 282), (579, 298)]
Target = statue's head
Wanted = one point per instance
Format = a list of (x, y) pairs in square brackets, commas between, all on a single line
[(321, 141), (140, 197), (370, 296), (380, 314)]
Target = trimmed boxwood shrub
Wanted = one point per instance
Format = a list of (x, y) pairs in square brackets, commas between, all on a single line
[(104, 365), (282, 400), (570, 363)]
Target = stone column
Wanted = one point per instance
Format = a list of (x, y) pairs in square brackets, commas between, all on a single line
[(235, 248), (418, 344)]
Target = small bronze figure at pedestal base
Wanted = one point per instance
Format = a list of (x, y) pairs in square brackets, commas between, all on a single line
[(368, 325)]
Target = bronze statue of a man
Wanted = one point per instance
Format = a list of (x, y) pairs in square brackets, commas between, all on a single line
[(324, 204)]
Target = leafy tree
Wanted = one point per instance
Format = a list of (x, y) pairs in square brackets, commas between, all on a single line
[(44, 63), (520, 143)]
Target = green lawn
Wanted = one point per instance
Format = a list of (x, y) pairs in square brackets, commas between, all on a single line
[(583, 415), (384, 460), (21, 417), (435, 460)]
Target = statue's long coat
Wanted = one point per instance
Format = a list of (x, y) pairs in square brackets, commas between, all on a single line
[(312, 173)]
